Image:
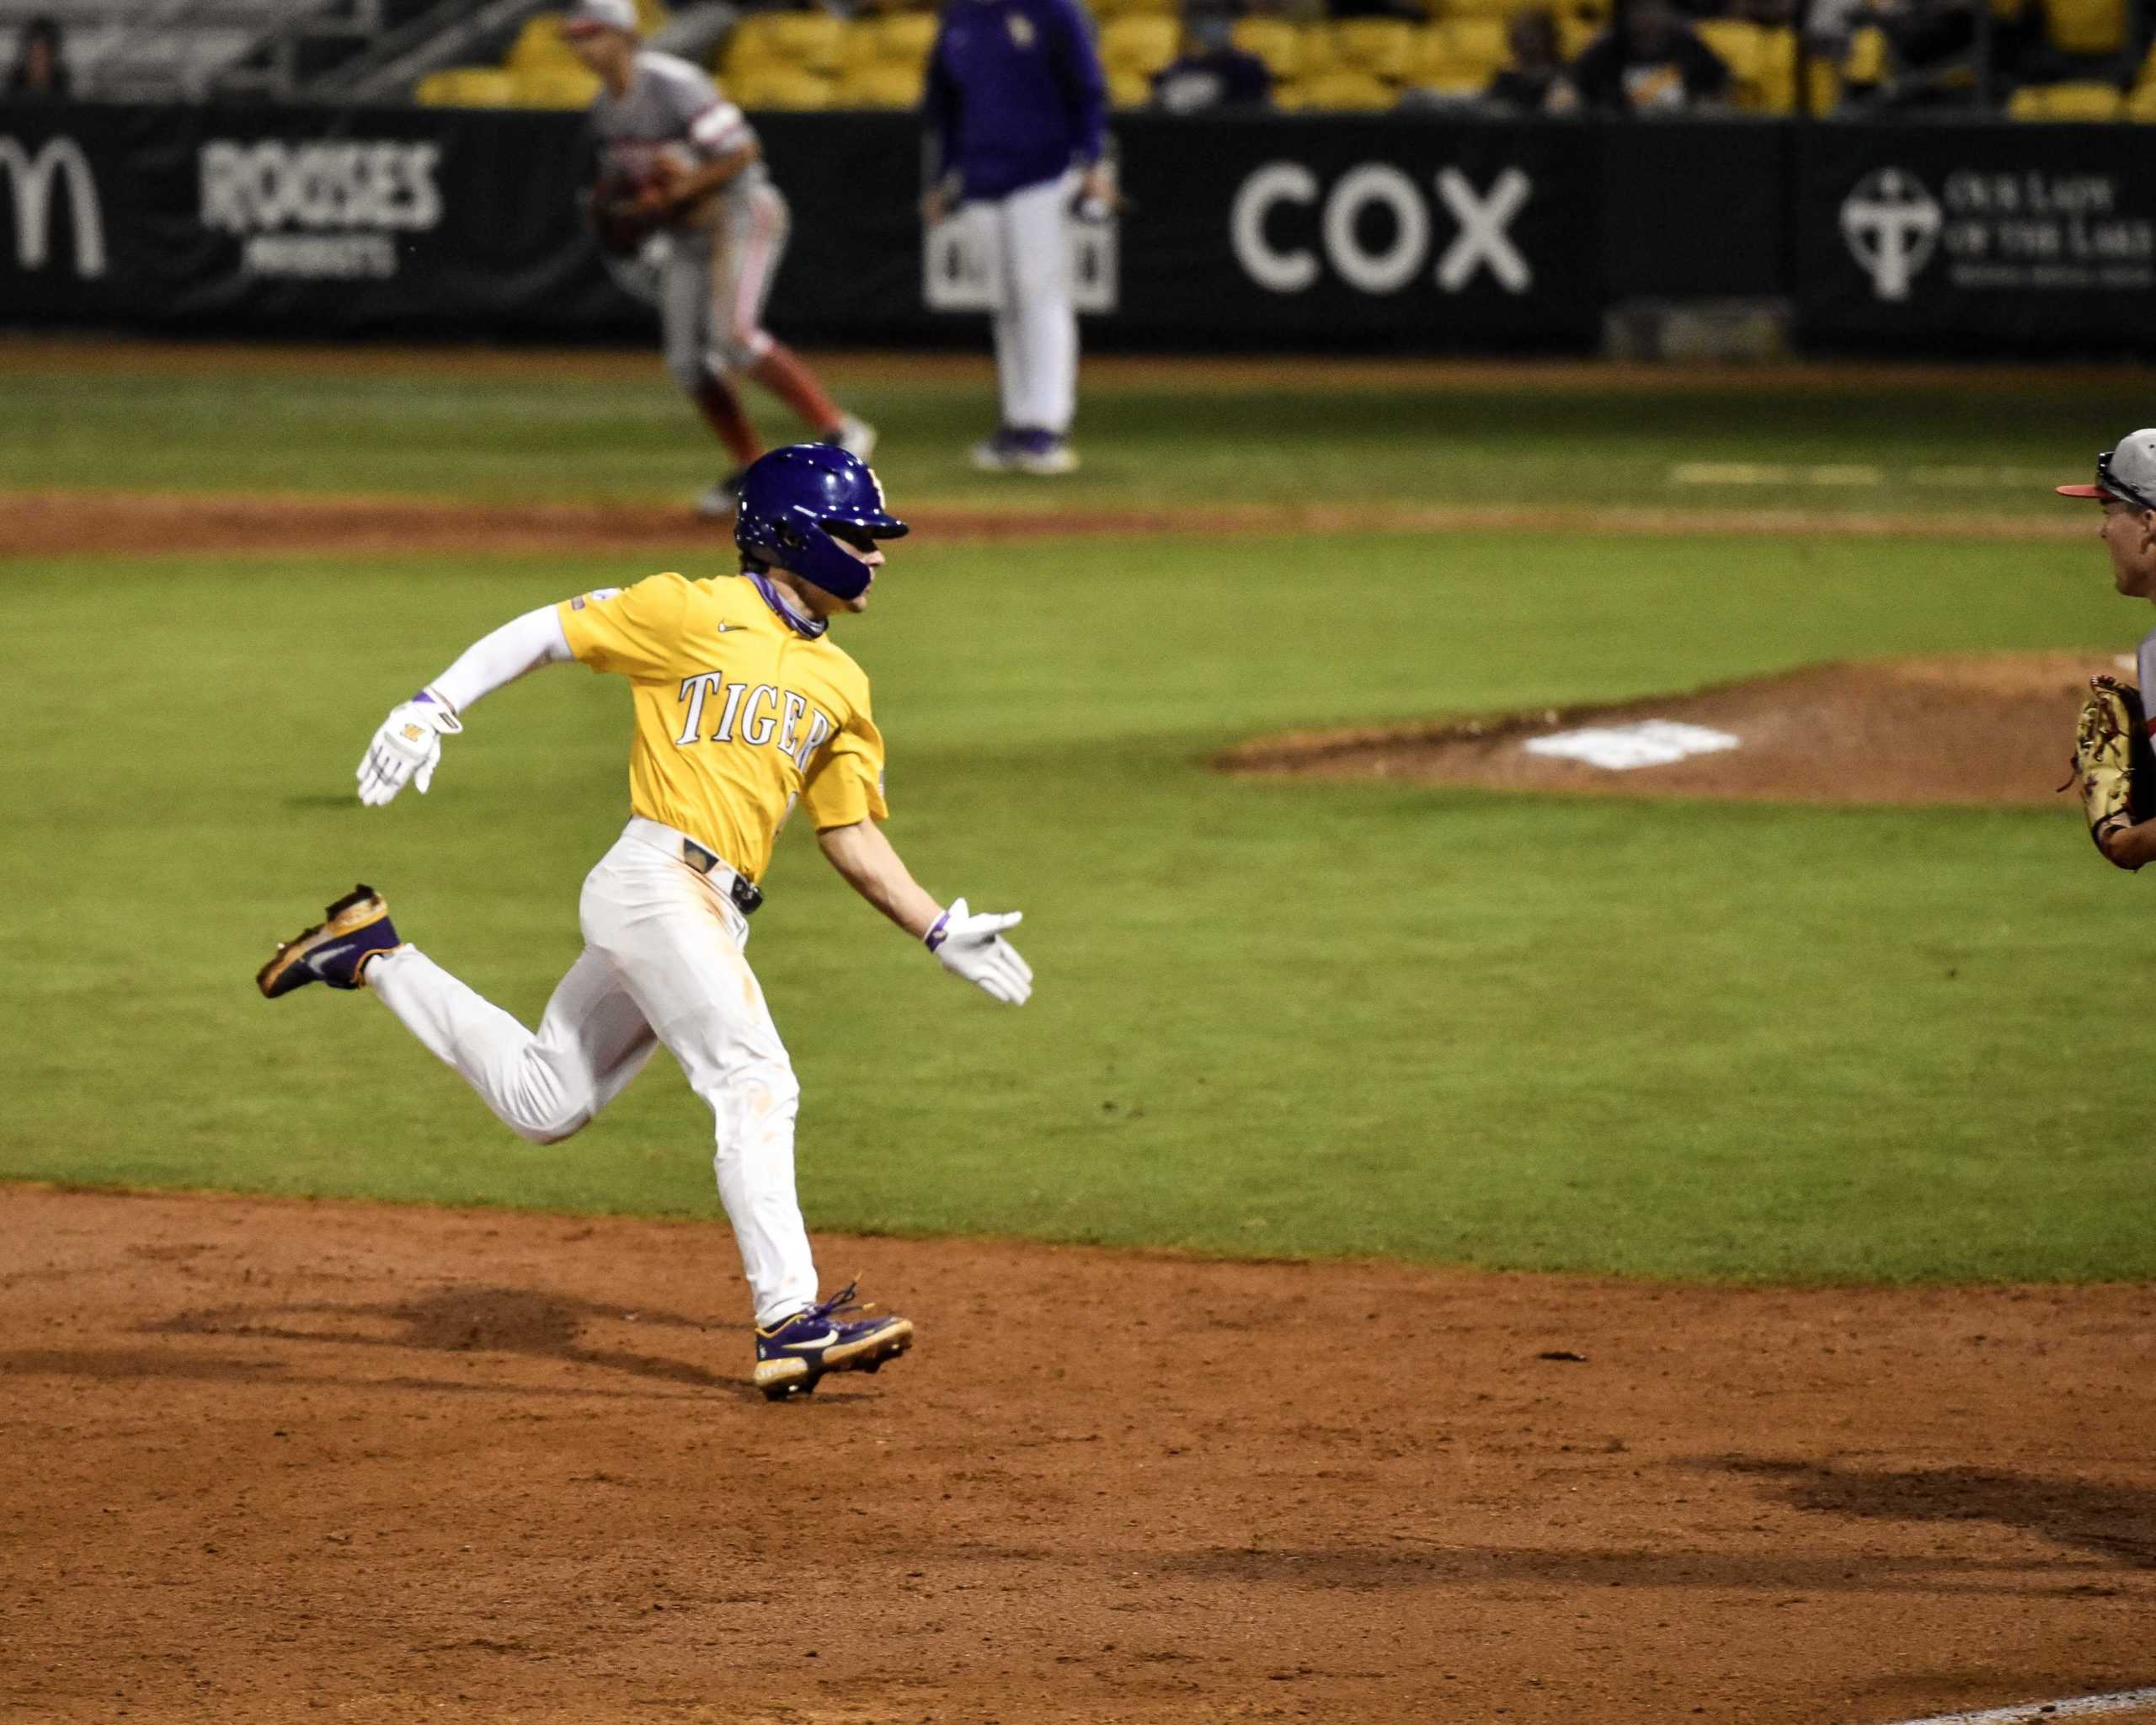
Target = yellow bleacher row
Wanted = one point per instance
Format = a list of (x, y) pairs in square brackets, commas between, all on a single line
[(815, 60), (1364, 63), (811, 59), (538, 71), (771, 60)]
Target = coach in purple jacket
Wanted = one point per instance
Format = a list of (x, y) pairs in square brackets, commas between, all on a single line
[(1015, 105)]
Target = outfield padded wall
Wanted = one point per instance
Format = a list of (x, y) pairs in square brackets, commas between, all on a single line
[(1426, 233)]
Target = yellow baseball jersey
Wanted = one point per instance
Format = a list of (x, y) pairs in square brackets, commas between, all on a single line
[(737, 713)]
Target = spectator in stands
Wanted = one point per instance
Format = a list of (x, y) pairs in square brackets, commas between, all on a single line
[(1932, 51), (40, 69), (1649, 61), (1212, 72), (1534, 83)]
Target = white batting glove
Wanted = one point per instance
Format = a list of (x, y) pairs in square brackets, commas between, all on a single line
[(406, 747), (973, 946)]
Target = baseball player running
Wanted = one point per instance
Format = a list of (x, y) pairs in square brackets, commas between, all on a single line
[(742, 705), (664, 127), (1015, 105)]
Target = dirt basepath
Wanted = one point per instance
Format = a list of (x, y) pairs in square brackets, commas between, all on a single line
[(275, 1460), (62, 523), (1996, 729)]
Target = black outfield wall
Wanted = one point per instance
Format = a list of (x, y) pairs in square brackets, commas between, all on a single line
[(1418, 233)]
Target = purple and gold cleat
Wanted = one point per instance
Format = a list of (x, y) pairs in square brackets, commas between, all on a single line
[(796, 1351), (336, 949)]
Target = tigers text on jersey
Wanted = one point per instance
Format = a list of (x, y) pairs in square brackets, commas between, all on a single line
[(669, 101), (737, 713)]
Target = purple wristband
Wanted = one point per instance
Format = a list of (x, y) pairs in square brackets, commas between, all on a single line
[(934, 937)]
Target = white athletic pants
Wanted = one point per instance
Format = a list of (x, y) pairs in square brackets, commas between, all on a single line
[(715, 283), (1036, 329), (662, 963)]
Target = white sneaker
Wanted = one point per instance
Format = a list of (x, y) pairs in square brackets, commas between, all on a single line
[(993, 454), (721, 498), (1044, 459), (856, 437)]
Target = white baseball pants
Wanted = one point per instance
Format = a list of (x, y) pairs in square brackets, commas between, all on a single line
[(715, 283), (662, 964), (1036, 325)]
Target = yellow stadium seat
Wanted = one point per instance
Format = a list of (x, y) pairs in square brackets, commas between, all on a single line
[(1128, 89), (812, 41), (2141, 106), (540, 46), (906, 35), (1317, 51), (2067, 101), (1737, 41), (1384, 47), (1777, 71), (860, 47), (2086, 26), (1868, 59), (554, 87), (1825, 84), (1448, 10), (1139, 42), (1741, 46), (1461, 53), (899, 39), (768, 87), (795, 41), (750, 44), (882, 83), (467, 87), (1274, 41), (1347, 90), (1108, 10)]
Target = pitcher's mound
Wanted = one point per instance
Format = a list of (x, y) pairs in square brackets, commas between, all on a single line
[(1996, 729)]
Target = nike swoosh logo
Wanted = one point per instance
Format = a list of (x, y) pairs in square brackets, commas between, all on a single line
[(822, 1341), (321, 952), (724, 628)]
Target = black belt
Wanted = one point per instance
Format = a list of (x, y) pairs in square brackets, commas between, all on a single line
[(746, 895)]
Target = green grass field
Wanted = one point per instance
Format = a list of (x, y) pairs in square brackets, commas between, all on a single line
[(1271, 1019), (1571, 436)]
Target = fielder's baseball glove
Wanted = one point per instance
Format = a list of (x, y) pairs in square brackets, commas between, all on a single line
[(2112, 764), (620, 218)]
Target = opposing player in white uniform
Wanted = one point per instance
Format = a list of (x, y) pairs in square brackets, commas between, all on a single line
[(742, 705), (2126, 485), (661, 123)]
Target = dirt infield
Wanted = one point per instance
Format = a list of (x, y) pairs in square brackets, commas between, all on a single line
[(62, 523), (279, 1461), (1995, 728)]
